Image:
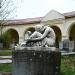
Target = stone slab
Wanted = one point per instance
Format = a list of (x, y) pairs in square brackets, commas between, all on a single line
[(36, 61)]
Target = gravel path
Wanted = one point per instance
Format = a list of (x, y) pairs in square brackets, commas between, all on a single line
[(6, 61)]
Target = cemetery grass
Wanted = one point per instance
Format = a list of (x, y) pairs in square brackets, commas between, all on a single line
[(68, 65), (6, 53), (5, 67)]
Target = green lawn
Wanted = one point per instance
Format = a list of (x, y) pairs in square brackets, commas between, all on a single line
[(5, 67), (68, 65), (6, 53)]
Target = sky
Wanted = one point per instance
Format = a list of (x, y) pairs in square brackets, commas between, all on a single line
[(39, 8)]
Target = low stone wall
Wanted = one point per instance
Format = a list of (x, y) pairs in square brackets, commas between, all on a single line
[(36, 61)]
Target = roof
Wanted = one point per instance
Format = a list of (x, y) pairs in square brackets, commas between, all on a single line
[(36, 20), (25, 21), (69, 14)]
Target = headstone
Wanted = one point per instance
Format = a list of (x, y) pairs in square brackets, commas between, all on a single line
[(66, 44), (71, 46), (36, 61), (0, 73), (61, 45), (1, 45)]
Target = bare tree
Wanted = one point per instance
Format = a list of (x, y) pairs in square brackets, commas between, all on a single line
[(7, 11)]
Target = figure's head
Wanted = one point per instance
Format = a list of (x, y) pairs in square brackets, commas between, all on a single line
[(39, 27), (28, 32)]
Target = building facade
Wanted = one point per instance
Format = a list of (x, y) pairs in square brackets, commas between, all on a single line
[(62, 24)]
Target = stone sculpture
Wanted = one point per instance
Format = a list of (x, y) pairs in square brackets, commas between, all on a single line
[(43, 36)]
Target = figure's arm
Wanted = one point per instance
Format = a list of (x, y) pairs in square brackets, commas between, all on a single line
[(43, 36), (32, 36)]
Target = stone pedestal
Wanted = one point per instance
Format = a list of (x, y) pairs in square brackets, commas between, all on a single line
[(36, 61)]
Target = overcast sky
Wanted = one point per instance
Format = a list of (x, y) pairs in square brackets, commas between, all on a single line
[(39, 8)]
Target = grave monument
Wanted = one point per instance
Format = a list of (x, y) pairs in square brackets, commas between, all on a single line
[(37, 55)]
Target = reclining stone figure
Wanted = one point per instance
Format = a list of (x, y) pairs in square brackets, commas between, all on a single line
[(42, 36)]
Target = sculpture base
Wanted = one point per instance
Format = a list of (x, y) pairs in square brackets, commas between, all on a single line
[(36, 61)]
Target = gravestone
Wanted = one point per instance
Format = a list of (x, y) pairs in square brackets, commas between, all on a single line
[(61, 45), (36, 61), (66, 44), (1, 45), (71, 46)]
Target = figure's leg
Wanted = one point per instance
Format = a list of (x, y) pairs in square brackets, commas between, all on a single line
[(50, 42)]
